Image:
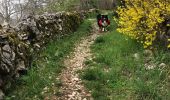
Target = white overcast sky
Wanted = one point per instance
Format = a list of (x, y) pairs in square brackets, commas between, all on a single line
[(15, 1)]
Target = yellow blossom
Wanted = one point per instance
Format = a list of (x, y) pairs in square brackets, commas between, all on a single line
[(141, 19)]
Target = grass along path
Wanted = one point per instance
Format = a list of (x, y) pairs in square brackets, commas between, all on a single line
[(122, 70), (73, 88), (42, 81)]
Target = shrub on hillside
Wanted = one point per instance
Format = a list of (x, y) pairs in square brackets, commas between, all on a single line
[(148, 21)]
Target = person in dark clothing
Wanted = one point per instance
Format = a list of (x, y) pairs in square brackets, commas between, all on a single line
[(103, 21)]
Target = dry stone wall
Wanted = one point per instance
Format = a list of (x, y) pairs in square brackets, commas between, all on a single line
[(17, 45)]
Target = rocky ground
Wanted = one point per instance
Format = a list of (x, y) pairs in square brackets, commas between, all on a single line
[(72, 86)]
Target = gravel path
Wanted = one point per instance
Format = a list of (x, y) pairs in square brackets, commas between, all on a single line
[(72, 87)]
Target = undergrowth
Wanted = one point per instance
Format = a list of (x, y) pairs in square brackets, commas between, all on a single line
[(41, 81)]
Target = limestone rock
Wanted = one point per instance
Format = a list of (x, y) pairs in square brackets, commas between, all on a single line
[(162, 65), (148, 53), (1, 95), (136, 56), (18, 44)]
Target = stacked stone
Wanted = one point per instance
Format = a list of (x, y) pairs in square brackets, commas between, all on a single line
[(18, 44), (14, 56)]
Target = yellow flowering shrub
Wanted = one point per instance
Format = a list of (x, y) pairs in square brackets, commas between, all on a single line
[(143, 20)]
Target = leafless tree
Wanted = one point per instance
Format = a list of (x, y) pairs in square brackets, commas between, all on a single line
[(11, 8), (101, 4), (17, 9)]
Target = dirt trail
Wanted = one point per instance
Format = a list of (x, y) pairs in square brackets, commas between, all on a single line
[(72, 86)]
